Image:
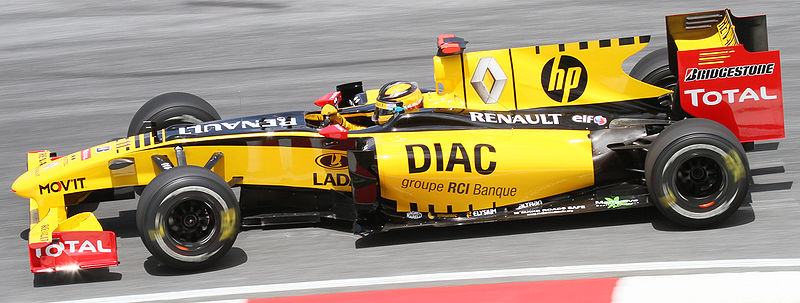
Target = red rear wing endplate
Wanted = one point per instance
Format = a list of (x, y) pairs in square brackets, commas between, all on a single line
[(737, 88)]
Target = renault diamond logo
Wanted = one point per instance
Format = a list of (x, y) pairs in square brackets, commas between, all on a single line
[(491, 94)]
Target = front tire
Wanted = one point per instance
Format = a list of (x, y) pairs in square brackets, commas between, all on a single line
[(697, 173), (172, 108), (188, 217)]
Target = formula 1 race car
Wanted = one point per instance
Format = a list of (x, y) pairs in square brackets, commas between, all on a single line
[(504, 134)]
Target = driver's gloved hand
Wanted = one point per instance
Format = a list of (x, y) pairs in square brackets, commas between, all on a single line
[(333, 114)]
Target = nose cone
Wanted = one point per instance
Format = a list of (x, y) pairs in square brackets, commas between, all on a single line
[(23, 185)]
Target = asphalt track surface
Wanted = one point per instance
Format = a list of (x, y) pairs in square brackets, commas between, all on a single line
[(72, 73)]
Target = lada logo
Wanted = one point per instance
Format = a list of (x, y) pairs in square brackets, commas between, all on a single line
[(332, 161), (564, 78)]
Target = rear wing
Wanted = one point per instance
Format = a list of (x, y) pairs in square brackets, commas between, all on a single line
[(726, 72)]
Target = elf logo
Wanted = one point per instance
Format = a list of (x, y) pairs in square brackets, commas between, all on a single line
[(564, 78), (58, 186), (420, 158), (332, 161)]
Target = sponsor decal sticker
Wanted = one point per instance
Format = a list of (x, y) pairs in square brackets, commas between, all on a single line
[(56, 249), (475, 189), (713, 97), (544, 119), (529, 204), (332, 161), (59, 186), (237, 125), (550, 210), (414, 215), (420, 158), (42, 159), (599, 120), (483, 212), (102, 149), (564, 78), (86, 154), (331, 179), (615, 202), (696, 74), (52, 164)]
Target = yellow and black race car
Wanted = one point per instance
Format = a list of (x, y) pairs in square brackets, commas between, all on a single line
[(503, 134)]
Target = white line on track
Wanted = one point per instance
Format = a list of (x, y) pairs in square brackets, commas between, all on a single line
[(451, 276)]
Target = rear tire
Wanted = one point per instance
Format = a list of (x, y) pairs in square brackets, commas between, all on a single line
[(172, 108), (654, 69), (188, 217), (697, 173)]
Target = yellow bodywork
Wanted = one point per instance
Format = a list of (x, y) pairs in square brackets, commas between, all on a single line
[(702, 30), (543, 76), (54, 185), (528, 164), (479, 169)]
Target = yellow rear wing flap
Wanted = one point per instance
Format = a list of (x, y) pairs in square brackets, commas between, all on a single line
[(713, 29)]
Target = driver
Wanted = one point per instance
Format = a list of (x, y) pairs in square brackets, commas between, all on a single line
[(393, 98)]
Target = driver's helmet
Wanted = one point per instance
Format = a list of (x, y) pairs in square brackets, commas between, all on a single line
[(395, 97)]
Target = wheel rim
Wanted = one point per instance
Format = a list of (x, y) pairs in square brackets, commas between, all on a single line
[(706, 195), (698, 178), (191, 222)]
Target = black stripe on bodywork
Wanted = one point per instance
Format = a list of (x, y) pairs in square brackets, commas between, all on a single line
[(561, 47), (537, 49), (583, 45), (644, 39), (147, 139), (513, 82), (626, 41), (464, 78), (412, 206), (605, 43), (136, 141)]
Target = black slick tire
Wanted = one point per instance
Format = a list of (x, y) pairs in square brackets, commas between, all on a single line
[(653, 69), (172, 108), (697, 173), (188, 217)]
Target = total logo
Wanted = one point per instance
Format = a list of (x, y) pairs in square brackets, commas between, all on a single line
[(729, 95), (56, 249), (599, 120)]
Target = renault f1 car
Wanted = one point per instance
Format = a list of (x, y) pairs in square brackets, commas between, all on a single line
[(503, 134)]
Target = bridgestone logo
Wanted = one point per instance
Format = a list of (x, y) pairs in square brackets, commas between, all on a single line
[(695, 74)]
